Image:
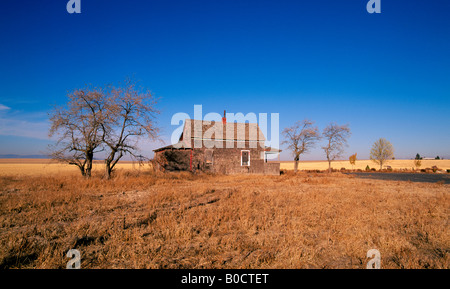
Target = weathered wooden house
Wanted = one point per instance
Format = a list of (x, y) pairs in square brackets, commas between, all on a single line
[(218, 147)]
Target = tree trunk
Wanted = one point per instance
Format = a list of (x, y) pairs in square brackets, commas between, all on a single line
[(295, 166), (83, 172), (111, 161), (81, 167), (108, 170), (329, 166), (88, 169), (108, 173)]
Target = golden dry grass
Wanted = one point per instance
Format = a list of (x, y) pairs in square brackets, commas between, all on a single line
[(44, 167), (361, 164), (148, 220)]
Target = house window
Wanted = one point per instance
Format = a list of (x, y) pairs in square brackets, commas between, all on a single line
[(245, 158), (209, 156)]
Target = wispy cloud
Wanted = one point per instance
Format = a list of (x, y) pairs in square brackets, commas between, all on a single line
[(24, 124), (4, 107)]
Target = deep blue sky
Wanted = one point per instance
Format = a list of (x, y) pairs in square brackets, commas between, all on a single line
[(386, 75)]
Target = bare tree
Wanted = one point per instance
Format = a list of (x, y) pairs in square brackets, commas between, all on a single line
[(336, 137), (300, 138), (352, 160), (131, 115), (78, 129), (382, 151)]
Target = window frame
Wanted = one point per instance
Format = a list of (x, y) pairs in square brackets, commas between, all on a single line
[(209, 151), (247, 165)]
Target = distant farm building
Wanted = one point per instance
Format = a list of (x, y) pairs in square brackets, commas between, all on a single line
[(218, 147)]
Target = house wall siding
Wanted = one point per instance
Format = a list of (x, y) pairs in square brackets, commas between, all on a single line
[(224, 160)]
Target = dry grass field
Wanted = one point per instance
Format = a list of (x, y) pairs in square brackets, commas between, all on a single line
[(141, 219), (361, 164), (45, 167)]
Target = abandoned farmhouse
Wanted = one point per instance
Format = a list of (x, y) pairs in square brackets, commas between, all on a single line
[(218, 147)]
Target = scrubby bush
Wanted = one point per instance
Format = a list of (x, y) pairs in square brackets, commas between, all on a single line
[(417, 163)]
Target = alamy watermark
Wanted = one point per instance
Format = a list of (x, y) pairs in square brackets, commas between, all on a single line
[(75, 261), (375, 261), (373, 6), (73, 6), (232, 130)]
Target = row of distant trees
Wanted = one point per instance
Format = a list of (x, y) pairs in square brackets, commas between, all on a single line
[(418, 160), (304, 135), (418, 157), (109, 119)]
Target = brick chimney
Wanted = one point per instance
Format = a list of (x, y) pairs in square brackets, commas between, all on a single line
[(224, 118)]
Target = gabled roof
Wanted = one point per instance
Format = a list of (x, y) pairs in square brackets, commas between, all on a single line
[(176, 146), (217, 130), (210, 131)]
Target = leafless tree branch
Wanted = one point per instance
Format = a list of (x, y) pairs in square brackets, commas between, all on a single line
[(300, 138)]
